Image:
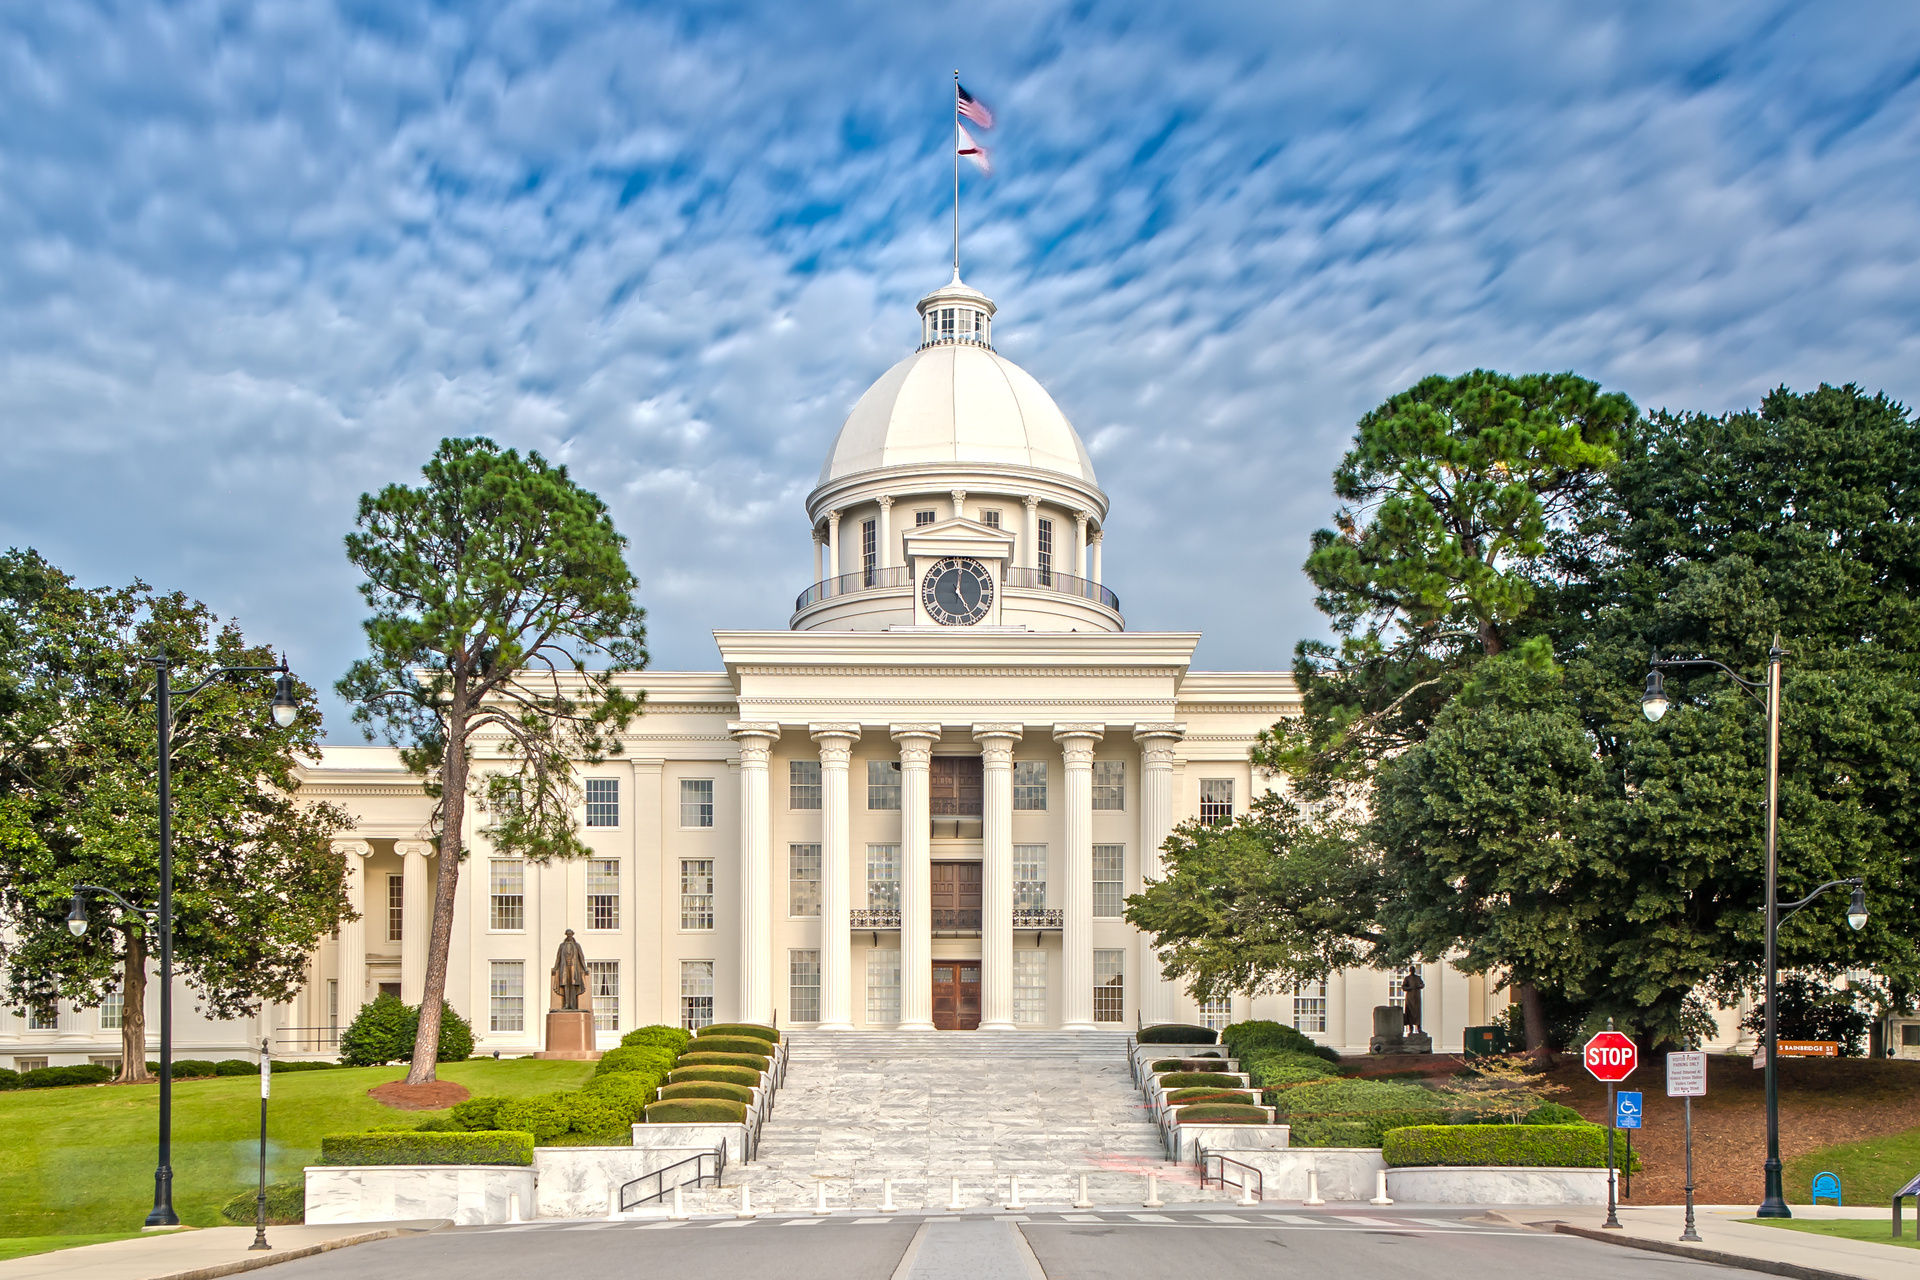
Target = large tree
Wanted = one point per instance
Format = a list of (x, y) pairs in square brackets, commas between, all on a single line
[(256, 882), (502, 605)]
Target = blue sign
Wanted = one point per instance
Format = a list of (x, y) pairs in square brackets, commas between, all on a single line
[(1626, 1111)]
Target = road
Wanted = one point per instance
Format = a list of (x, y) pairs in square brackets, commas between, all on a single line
[(1219, 1243)]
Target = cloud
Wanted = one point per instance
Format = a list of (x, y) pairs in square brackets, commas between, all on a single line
[(255, 262)]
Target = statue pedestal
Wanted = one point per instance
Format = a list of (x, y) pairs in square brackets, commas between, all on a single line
[(570, 1035)]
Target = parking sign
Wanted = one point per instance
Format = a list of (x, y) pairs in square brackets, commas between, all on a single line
[(1686, 1075), (1626, 1111)]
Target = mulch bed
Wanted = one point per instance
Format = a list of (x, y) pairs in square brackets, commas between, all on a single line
[(435, 1096)]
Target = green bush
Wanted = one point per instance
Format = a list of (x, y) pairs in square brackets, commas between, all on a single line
[(56, 1077), (439, 1124), (194, 1069), (1555, 1146), (480, 1113), (697, 1111), (286, 1206), (236, 1067), (1220, 1113), (708, 1089), (725, 1075), (566, 1119), (9, 1078), (627, 1091), (384, 1031), (672, 1039), (731, 1044), (752, 1062), (1358, 1113), (1167, 1064), (302, 1064), (1187, 1097), (1287, 1068), (1176, 1033), (1189, 1079), (753, 1029), (493, 1147), (1553, 1113), (1259, 1036), (638, 1057)]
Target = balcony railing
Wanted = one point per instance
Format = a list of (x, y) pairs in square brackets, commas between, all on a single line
[(957, 918), (850, 583), (875, 917), (1065, 583), (1039, 918)]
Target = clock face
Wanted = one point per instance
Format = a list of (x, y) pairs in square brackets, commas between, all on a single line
[(957, 592)]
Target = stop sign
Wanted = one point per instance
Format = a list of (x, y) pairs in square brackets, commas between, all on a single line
[(1611, 1055)]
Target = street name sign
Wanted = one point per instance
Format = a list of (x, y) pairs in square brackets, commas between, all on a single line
[(1809, 1048), (1611, 1056), (1686, 1075)]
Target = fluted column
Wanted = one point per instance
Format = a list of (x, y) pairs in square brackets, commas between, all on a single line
[(1093, 567), (996, 856), (886, 531), (1030, 554), (756, 741), (353, 933), (833, 549), (416, 915), (1157, 744), (1080, 545), (1076, 936), (817, 575), (836, 949), (916, 874)]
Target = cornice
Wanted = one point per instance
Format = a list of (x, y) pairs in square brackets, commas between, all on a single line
[(1074, 673), (981, 479)]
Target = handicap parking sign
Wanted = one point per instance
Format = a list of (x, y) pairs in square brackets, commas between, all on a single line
[(1626, 1111)]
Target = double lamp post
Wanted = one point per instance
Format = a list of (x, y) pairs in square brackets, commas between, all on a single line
[(286, 709)]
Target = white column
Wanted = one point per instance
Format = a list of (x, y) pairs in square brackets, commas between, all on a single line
[(1030, 554), (996, 898), (353, 933), (886, 531), (916, 874), (1076, 936), (1080, 544), (959, 504), (833, 547), (836, 948), (817, 575), (756, 741), (1157, 743), (416, 915), (1093, 568)]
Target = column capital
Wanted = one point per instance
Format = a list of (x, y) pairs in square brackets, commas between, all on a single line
[(1093, 731), (1166, 730), (982, 732), (415, 848), (357, 848), (819, 535), (1099, 536), (916, 742), (885, 500), (996, 743), (1081, 517), (901, 732), (756, 739), (834, 729), (1030, 502), (834, 515)]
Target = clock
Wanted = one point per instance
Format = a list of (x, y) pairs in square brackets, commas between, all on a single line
[(957, 591)]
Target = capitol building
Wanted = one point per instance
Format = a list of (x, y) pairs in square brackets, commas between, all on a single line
[(920, 806)]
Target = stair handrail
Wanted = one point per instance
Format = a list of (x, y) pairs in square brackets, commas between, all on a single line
[(1259, 1176), (659, 1177)]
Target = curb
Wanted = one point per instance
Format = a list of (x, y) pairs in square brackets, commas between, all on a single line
[(1674, 1248), (240, 1265)]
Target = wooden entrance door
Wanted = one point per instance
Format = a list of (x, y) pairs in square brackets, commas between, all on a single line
[(956, 895), (956, 995)]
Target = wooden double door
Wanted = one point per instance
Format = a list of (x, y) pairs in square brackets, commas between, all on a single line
[(956, 995), (956, 895)]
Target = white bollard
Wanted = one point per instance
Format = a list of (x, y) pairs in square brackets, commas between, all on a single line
[(746, 1204), (613, 1201), (886, 1196), (1246, 1194), (1013, 1200), (1083, 1202), (513, 1208), (1380, 1189), (1153, 1200), (953, 1195), (679, 1213), (1313, 1186), (820, 1209)]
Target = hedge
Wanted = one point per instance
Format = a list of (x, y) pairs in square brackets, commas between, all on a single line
[(194, 1069), (1187, 1097), (493, 1147), (672, 1039), (725, 1075), (577, 1119), (9, 1079), (384, 1031), (236, 1067), (697, 1111), (55, 1077), (638, 1057), (301, 1064), (1554, 1146), (1189, 1079), (1357, 1113), (754, 1029), (1259, 1037), (1176, 1033), (286, 1206), (627, 1091), (751, 1062), (1553, 1113), (479, 1113), (1221, 1113), (732, 1044), (708, 1089)]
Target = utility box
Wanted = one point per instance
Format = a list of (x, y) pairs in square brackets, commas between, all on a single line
[(1485, 1041)]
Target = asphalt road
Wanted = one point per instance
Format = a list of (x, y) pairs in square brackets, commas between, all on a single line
[(1097, 1245)]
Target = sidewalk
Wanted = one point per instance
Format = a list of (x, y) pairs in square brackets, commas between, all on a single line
[(199, 1255), (1727, 1239)]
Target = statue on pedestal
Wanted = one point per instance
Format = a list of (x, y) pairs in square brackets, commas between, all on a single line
[(569, 974), (1413, 984)]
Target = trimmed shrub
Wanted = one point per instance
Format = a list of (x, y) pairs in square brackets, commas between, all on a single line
[(56, 1077), (439, 1124), (566, 1119), (384, 1031), (9, 1078), (479, 1113), (1167, 1064), (629, 1092), (1554, 1146), (697, 1111), (1176, 1033), (672, 1039), (1553, 1113), (1189, 1079), (194, 1069), (302, 1065), (1220, 1113), (725, 1075), (708, 1089), (494, 1147), (752, 1062), (638, 1057), (1259, 1036), (236, 1067), (731, 1044), (1187, 1097), (1357, 1113), (753, 1029), (286, 1206)]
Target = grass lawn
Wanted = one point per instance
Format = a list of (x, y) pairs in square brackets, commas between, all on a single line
[(1870, 1170), (81, 1159), (21, 1246), (1876, 1230)]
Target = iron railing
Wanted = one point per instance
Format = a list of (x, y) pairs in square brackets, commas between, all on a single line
[(896, 576), (1247, 1171), (850, 583), (631, 1193), (875, 917), (1039, 918), (309, 1039), (956, 918), (1064, 583)]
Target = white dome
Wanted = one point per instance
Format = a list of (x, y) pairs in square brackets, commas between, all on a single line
[(957, 402)]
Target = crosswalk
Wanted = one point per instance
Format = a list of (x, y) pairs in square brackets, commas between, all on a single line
[(1257, 1218)]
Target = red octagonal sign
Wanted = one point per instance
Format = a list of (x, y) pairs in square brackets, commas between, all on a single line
[(1612, 1055)]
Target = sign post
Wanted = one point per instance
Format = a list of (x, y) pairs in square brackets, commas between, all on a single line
[(1612, 1057), (1627, 1114), (1687, 1078), (260, 1200)]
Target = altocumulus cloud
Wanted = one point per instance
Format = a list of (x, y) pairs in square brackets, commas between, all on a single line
[(255, 260)]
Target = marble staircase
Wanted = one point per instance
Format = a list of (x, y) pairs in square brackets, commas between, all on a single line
[(923, 1108)]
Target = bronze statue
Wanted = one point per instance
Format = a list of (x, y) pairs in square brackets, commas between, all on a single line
[(1413, 984), (569, 973)]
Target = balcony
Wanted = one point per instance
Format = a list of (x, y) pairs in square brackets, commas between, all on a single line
[(963, 919), (895, 577), (1065, 583), (875, 917)]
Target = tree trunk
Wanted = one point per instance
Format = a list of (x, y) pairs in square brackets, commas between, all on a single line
[(453, 815), (1539, 1046), (1490, 638), (133, 1013)]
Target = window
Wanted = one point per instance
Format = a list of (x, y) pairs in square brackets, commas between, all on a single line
[(396, 908), (509, 889), (333, 1011), (507, 988), (869, 551), (803, 879), (803, 784), (603, 802), (1029, 987), (603, 981), (883, 986), (1216, 800), (696, 994), (1109, 871), (603, 893), (1910, 1035), (696, 894), (923, 518), (389, 989), (1109, 986), (696, 802), (1030, 784), (883, 877), (44, 1017), (1109, 784), (1397, 991), (1029, 877), (991, 519), (29, 1064), (955, 784), (110, 1061), (1310, 1007), (883, 784), (803, 986), (1215, 1014), (1043, 553), (112, 1010)]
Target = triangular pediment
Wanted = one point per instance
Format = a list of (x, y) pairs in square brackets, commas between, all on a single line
[(960, 537)]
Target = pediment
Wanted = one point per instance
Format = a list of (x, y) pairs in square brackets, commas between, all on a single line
[(960, 537)]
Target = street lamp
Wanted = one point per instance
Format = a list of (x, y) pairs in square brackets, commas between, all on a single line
[(285, 710), (1653, 704)]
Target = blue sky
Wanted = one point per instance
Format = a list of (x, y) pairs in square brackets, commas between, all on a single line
[(258, 259)]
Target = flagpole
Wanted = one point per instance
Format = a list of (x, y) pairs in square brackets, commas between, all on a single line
[(956, 174)]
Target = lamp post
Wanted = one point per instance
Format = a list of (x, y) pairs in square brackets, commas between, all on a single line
[(286, 709), (1654, 703)]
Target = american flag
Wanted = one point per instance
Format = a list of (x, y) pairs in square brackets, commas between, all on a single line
[(965, 145), (972, 108)]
